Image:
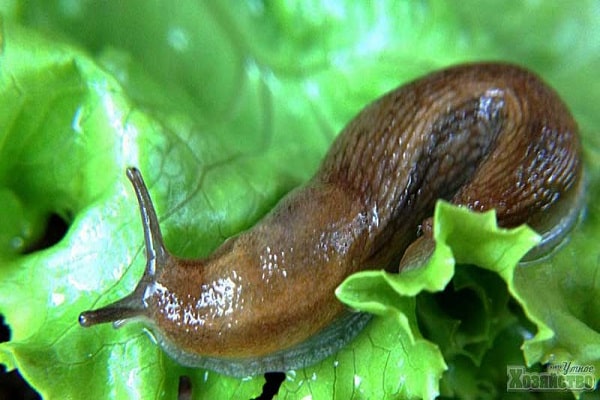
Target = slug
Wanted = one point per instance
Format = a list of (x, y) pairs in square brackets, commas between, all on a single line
[(485, 136)]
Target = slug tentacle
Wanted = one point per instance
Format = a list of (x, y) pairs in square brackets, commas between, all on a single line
[(118, 312), (485, 136), (156, 254), (157, 257)]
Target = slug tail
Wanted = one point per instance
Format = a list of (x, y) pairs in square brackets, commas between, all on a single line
[(418, 253)]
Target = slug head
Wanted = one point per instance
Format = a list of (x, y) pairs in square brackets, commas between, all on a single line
[(135, 304)]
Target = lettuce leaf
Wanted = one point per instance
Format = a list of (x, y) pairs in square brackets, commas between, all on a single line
[(225, 107)]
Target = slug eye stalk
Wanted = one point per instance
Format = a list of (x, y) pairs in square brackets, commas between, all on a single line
[(134, 305)]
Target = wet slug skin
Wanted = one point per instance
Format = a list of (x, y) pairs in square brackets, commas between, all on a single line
[(485, 136)]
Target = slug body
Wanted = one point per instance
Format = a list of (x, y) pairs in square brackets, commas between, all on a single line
[(486, 136)]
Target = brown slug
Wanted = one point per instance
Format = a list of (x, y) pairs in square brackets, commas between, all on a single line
[(486, 136)]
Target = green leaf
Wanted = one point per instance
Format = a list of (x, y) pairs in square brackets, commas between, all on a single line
[(460, 236), (225, 107)]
